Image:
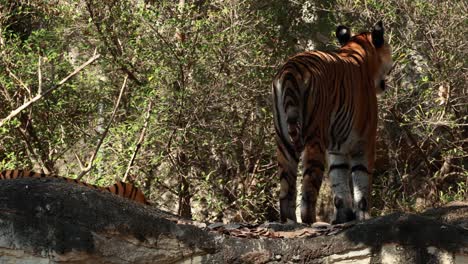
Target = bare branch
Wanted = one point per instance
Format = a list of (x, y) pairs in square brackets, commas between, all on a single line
[(104, 134), (19, 81), (33, 153), (39, 75), (30, 150), (140, 140), (115, 46), (41, 95), (80, 163)]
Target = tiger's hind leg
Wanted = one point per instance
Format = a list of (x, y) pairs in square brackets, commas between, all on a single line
[(313, 161), (362, 161), (287, 164), (339, 172)]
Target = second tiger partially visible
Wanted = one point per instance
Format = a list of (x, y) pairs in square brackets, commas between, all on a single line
[(126, 190)]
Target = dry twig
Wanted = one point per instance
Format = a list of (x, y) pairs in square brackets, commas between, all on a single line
[(39, 96), (140, 141), (86, 169)]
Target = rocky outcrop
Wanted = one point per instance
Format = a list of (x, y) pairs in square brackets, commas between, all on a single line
[(51, 221)]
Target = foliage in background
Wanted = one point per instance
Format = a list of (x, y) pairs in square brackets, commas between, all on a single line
[(423, 132), (202, 69)]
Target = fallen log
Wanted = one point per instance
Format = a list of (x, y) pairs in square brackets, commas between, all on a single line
[(51, 221)]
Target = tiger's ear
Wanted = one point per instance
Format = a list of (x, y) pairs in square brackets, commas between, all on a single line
[(378, 35), (343, 34)]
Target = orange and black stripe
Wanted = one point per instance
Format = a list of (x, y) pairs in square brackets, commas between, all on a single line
[(123, 189)]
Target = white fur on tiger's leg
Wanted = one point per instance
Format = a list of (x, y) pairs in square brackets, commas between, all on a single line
[(361, 186), (339, 172)]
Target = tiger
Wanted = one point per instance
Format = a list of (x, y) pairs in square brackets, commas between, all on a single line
[(125, 190), (325, 108)]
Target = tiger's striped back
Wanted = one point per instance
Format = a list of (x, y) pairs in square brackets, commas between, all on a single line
[(13, 174), (125, 190), (325, 108)]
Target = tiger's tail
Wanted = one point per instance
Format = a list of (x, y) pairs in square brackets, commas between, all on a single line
[(289, 100), (288, 126)]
